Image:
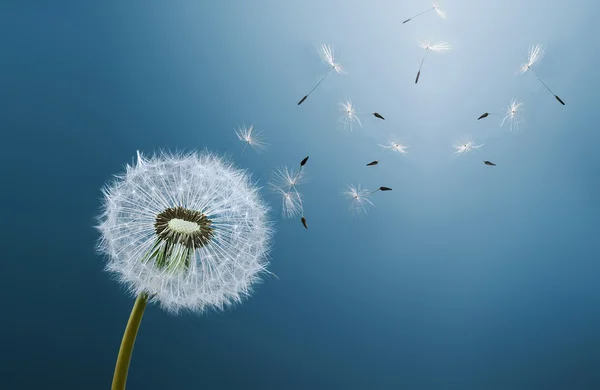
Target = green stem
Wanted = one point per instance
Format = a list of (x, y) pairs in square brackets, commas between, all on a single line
[(135, 318)]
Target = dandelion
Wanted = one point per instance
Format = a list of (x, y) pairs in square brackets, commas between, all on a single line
[(349, 116), (396, 146), (359, 199), (489, 163), (435, 7), (284, 183), (378, 115), (440, 47), (326, 52), (536, 52), (466, 147), (512, 116), (372, 163), (251, 138), (188, 232)]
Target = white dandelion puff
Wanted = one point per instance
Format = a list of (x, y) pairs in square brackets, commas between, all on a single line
[(187, 231), (250, 137), (513, 117), (396, 146), (327, 55), (359, 199), (435, 7), (349, 116), (536, 52), (466, 146), (440, 47)]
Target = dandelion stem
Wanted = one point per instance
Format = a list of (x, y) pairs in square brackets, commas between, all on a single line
[(315, 87), (419, 14), (420, 66), (124, 357), (245, 146), (548, 88)]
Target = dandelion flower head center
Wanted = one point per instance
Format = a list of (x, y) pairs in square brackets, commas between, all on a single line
[(182, 226), (178, 225)]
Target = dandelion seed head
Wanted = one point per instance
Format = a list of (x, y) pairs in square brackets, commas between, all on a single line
[(349, 117), (359, 199), (440, 47), (327, 54), (513, 117), (396, 146), (466, 146), (441, 13), (284, 184), (251, 137), (188, 229), (285, 177), (291, 202), (536, 52)]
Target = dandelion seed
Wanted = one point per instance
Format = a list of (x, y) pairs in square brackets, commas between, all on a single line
[(327, 55), (291, 205), (484, 115), (395, 146), (383, 189), (489, 163), (466, 147), (304, 160), (188, 232), (512, 116), (440, 47), (373, 163), (435, 7), (284, 184), (304, 223), (350, 116), (251, 138), (359, 199), (377, 115), (536, 52)]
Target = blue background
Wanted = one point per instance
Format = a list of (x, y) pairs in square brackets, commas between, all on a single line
[(463, 277)]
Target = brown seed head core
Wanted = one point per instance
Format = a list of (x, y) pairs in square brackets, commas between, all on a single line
[(178, 225)]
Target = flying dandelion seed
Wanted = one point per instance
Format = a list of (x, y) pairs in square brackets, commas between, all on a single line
[(304, 223), (359, 199), (372, 163), (466, 147), (378, 115), (512, 116), (327, 55), (395, 146), (489, 163), (284, 184), (350, 115), (435, 7), (536, 52), (188, 232), (440, 47), (382, 189), (250, 137), (291, 202)]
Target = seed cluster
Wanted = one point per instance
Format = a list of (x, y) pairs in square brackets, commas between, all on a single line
[(190, 239)]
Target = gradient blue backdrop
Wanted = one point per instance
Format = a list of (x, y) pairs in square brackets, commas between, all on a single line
[(463, 277)]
